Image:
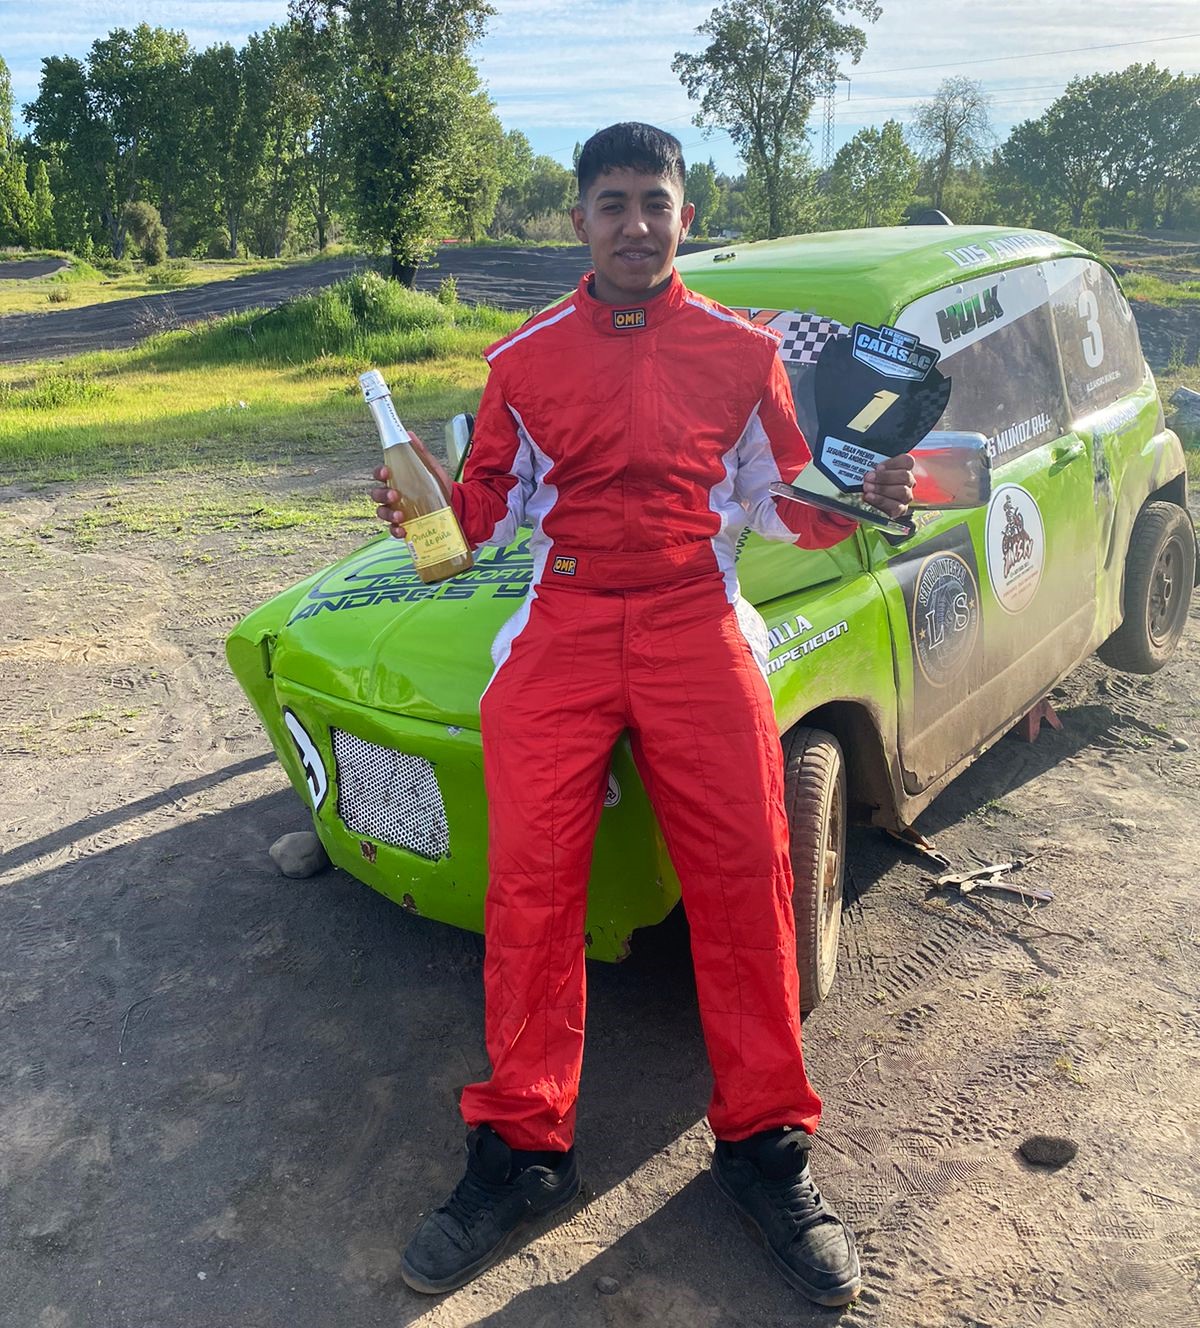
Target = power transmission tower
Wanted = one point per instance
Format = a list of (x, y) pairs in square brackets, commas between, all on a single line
[(830, 94)]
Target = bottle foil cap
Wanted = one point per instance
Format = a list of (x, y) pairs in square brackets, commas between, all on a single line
[(373, 386)]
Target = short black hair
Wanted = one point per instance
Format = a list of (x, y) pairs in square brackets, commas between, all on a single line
[(633, 146)]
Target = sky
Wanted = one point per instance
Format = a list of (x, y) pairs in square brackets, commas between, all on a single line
[(559, 69)]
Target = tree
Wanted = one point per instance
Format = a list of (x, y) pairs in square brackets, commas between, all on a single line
[(952, 129), (233, 95), (410, 84), (872, 179), (1114, 149), (16, 207), (702, 192), (6, 110), (765, 63), (479, 145), (102, 116), (323, 64), (42, 233), (145, 228)]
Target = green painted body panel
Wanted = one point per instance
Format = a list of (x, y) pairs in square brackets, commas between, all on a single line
[(862, 276), (365, 647)]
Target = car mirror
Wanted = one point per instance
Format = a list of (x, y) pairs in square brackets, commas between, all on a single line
[(953, 469), (458, 441)]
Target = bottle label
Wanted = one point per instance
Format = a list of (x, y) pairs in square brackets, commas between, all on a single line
[(434, 538)]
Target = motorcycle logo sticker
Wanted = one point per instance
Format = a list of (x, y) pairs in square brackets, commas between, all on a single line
[(1015, 540), (945, 616)]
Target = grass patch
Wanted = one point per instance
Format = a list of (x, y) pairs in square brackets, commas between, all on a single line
[(1154, 290), (84, 284), (257, 387)]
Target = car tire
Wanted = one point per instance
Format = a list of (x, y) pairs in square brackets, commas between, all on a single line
[(815, 798), (1160, 569)]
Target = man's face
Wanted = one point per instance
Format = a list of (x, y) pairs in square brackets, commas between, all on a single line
[(633, 223)]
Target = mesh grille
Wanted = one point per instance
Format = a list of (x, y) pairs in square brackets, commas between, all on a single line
[(390, 796)]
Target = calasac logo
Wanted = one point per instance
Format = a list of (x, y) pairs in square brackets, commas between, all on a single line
[(893, 353), (978, 310), (564, 566), (624, 318)]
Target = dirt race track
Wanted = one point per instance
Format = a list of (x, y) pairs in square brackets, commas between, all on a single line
[(510, 278), (226, 1097)]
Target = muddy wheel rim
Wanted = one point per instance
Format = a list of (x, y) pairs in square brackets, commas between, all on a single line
[(1165, 584)]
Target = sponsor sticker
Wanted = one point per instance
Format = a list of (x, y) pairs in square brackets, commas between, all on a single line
[(975, 311), (564, 566), (893, 353), (383, 573), (808, 645), (612, 794), (310, 760), (626, 318), (945, 617), (1015, 540)]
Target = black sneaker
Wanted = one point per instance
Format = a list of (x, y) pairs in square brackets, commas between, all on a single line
[(767, 1179), (501, 1191)]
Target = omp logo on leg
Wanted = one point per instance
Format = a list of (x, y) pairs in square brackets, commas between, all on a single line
[(624, 318), (564, 566)]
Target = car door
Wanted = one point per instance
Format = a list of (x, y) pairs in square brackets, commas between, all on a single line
[(991, 606)]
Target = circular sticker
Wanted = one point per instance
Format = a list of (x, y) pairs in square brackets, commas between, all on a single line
[(1016, 546), (945, 617)]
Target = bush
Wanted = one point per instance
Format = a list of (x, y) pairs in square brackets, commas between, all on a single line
[(147, 231), (447, 291), (51, 391), (550, 228), (113, 267), (174, 272)]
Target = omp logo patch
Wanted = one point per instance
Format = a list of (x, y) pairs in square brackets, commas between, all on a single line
[(623, 318), (564, 566)]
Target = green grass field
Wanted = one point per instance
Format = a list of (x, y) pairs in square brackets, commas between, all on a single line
[(82, 284), (253, 389)]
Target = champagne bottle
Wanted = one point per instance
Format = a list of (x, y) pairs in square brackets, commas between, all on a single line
[(430, 529)]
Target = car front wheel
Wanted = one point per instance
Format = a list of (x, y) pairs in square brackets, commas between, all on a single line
[(815, 794), (1159, 571)]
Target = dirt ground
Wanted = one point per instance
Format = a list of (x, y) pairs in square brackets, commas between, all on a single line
[(226, 1097)]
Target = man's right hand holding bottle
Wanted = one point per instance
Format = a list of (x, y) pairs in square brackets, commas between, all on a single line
[(387, 500)]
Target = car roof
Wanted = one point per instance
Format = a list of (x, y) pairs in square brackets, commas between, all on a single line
[(863, 275)]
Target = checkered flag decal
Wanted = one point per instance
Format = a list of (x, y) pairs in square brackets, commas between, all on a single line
[(804, 336)]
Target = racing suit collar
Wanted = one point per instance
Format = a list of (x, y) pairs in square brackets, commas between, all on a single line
[(624, 320)]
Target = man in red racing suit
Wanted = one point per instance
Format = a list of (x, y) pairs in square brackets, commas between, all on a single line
[(635, 427)]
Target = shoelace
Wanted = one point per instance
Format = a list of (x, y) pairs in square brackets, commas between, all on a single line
[(472, 1199), (799, 1198)]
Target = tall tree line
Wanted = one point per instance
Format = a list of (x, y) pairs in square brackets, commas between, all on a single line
[(363, 117)]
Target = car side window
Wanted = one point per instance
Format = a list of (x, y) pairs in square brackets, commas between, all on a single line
[(996, 335), (1097, 337)]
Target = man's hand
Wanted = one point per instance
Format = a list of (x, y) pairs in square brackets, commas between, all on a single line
[(388, 504), (889, 486), (387, 500)]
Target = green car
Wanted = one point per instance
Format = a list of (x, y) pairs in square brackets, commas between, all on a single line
[(895, 659)]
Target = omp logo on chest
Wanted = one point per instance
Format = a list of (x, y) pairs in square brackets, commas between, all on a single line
[(564, 566), (625, 318), (956, 320)]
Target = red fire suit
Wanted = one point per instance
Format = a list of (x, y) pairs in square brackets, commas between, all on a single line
[(637, 443)]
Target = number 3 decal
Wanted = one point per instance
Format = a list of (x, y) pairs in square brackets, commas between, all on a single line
[(1093, 343)]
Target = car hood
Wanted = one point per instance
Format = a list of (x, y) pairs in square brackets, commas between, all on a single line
[(369, 631)]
